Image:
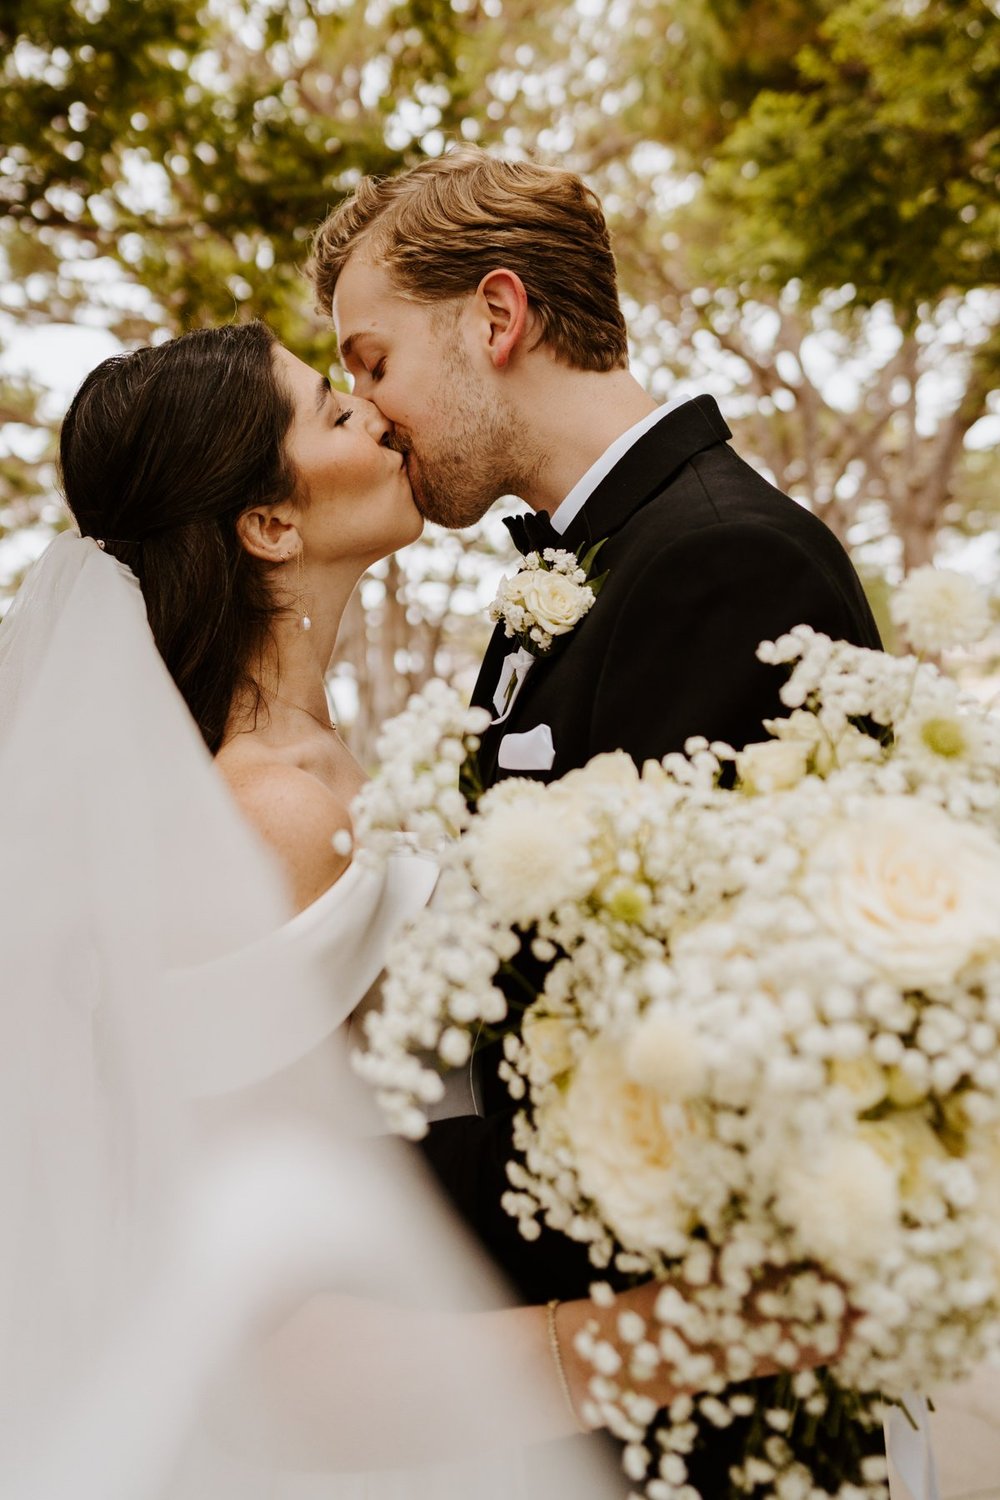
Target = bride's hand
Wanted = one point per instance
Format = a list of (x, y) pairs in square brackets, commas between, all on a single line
[(572, 1318)]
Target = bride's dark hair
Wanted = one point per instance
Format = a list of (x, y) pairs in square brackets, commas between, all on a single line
[(161, 452)]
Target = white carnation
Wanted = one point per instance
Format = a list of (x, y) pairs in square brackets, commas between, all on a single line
[(528, 854), (843, 1205), (937, 608), (625, 1142), (612, 769), (911, 889)]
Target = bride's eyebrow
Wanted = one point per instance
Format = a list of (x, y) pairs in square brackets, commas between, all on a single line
[(322, 392)]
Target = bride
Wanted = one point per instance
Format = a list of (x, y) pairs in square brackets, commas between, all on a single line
[(171, 995), (175, 994)]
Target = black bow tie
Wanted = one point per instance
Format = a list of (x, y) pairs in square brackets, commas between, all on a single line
[(533, 532)]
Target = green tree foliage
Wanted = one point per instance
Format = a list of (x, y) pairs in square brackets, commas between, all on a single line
[(877, 163), (802, 194), (194, 146)]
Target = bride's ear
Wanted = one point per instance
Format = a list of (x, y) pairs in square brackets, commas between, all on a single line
[(268, 534)]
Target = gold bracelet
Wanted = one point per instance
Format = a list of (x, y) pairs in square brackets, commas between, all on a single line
[(550, 1320)]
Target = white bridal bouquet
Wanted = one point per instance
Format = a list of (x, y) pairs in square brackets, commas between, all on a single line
[(756, 1045)]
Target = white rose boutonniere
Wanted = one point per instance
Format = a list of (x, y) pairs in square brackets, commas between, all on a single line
[(548, 595)]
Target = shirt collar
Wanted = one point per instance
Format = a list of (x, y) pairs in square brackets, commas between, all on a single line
[(568, 510)]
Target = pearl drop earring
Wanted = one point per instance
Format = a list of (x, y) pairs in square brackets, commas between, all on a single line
[(305, 622)]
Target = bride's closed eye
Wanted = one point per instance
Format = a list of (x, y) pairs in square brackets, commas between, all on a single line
[(344, 416)]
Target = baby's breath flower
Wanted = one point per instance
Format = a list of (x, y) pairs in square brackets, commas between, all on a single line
[(754, 1048)]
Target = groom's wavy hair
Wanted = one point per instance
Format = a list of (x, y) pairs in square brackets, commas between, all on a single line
[(439, 228), (160, 453)]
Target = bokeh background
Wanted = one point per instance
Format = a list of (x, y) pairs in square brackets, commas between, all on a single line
[(803, 195)]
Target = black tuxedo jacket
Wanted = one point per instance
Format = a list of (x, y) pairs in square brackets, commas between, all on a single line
[(704, 559)]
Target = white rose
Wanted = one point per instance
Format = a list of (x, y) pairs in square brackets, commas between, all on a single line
[(907, 1144), (863, 1079), (528, 854), (665, 1053), (936, 608), (625, 1141), (554, 600), (803, 727), (911, 889), (843, 1205), (772, 765)]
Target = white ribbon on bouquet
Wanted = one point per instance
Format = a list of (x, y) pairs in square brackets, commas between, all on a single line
[(910, 1450)]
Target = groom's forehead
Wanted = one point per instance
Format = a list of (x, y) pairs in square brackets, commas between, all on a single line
[(365, 302)]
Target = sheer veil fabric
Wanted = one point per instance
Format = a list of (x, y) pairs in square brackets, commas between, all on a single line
[(296, 1293)]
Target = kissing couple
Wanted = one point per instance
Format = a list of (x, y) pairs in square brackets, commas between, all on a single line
[(227, 502)]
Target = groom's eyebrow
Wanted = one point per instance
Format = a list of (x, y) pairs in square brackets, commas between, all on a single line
[(347, 346)]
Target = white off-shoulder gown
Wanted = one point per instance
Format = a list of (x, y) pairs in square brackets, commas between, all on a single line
[(283, 1058)]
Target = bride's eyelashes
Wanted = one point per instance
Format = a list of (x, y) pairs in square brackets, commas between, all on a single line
[(344, 417)]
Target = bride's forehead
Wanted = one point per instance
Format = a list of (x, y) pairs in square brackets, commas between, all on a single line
[(300, 378)]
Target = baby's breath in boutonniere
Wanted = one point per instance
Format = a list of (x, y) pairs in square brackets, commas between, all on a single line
[(548, 596)]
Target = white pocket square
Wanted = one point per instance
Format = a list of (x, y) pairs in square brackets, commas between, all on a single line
[(531, 751)]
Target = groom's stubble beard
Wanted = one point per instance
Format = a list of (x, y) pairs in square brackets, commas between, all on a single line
[(481, 450)]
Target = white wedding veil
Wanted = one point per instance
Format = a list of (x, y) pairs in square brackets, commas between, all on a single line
[(146, 1268)]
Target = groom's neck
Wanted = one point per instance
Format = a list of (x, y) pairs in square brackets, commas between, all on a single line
[(572, 417)]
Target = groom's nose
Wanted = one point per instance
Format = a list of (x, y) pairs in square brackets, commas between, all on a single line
[(372, 419)]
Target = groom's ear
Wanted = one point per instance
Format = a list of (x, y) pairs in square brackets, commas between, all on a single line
[(502, 304)]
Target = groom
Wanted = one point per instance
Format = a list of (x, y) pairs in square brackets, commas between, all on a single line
[(476, 304)]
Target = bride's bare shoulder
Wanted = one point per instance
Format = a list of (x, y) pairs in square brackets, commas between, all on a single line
[(297, 814)]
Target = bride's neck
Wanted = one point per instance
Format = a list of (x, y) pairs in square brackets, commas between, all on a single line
[(289, 681)]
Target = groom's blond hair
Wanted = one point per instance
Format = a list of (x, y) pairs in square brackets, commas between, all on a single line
[(439, 228)]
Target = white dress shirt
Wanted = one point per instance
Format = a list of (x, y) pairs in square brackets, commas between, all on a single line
[(568, 510)]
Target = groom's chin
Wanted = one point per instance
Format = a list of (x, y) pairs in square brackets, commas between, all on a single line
[(454, 512)]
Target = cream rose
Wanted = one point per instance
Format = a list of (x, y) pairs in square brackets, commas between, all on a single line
[(553, 600), (803, 728), (549, 1044), (625, 1142), (906, 1143), (863, 1079), (772, 765), (665, 1053), (910, 889)]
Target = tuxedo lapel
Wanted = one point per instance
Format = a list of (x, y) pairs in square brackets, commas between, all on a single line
[(646, 469), (642, 473)]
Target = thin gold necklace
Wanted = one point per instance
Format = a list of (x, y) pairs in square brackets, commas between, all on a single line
[(289, 704)]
